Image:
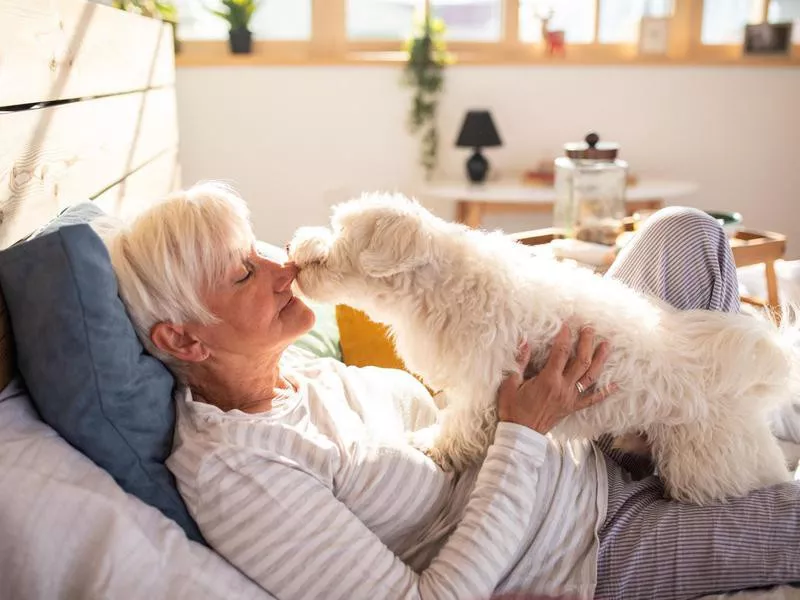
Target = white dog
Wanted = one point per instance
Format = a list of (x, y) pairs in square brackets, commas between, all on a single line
[(698, 384)]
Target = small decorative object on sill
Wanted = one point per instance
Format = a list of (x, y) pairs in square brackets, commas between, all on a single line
[(590, 188), (238, 14), (156, 9), (654, 36), (427, 58), (554, 41), (768, 39), (478, 131)]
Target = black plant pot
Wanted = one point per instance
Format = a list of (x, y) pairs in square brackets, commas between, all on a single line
[(241, 41)]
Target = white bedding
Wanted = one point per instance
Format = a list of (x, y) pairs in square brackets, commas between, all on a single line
[(68, 531)]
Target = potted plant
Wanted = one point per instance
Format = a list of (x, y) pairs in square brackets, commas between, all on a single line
[(238, 14), (424, 73), (156, 9)]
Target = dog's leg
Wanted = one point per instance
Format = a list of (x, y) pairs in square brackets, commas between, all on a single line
[(703, 462), (466, 430)]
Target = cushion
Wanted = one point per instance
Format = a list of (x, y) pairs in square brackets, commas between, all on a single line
[(365, 343), (69, 531), (87, 373), (323, 341)]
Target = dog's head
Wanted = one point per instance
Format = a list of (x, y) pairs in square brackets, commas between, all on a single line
[(373, 241)]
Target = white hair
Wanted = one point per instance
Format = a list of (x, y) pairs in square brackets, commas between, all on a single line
[(170, 254)]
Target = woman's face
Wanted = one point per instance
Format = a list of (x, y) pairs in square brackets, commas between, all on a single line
[(257, 310)]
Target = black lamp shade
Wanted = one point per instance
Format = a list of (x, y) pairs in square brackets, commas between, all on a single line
[(478, 131)]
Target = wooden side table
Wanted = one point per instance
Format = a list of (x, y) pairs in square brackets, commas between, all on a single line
[(749, 247), (474, 201)]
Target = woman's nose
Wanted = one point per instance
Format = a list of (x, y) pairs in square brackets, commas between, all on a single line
[(289, 273)]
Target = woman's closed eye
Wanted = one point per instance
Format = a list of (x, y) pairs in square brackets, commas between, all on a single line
[(249, 268)]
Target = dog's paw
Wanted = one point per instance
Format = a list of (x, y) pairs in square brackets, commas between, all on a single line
[(425, 440), (310, 245), (442, 460)]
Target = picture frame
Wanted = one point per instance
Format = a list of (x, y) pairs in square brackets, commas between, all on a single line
[(768, 39), (654, 36)]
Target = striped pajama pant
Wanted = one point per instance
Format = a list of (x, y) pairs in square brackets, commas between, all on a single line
[(651, 547)]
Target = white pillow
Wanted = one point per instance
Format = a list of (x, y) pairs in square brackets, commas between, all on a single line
[(67, 530)]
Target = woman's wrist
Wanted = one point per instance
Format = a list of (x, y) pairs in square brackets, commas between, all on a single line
[(520, 439)]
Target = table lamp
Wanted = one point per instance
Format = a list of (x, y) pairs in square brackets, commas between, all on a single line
[(478, 131)]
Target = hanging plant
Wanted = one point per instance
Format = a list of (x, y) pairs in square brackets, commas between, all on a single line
[(427, 58)]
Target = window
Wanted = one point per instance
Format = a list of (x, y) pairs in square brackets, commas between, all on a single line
[(724, 20), (470, 20), (786, 10), (619, 20), (783, 10), (274, 19), (382, 19), (484, 31), (575, 17), (467, 20)]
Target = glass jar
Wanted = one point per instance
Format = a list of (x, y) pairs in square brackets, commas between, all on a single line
[(590, 189)]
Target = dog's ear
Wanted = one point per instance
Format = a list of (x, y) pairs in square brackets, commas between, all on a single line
[(399, 244)]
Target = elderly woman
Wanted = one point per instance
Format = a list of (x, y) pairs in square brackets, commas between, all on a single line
[(302, 477)]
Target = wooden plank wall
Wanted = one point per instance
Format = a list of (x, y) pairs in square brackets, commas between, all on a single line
[(87, 111)]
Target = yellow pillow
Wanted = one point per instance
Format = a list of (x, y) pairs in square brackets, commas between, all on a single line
[(364, 342)]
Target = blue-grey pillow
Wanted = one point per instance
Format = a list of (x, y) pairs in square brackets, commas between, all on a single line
[(87, 372)]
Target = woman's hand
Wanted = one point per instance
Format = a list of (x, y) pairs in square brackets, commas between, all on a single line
[(542, 402)]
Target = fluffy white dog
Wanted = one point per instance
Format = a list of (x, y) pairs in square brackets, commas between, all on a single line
[(698, 384)]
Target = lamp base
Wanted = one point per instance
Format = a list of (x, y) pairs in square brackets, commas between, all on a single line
[(477, 167)]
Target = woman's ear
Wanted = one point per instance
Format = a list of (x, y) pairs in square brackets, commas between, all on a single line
[(176, 341), (399, 243)]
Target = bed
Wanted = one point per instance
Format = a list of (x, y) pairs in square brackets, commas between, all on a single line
[(88, 114)]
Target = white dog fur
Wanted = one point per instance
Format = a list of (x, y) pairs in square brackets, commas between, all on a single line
[(698, 384)]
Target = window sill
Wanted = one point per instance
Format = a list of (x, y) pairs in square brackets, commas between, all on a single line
[(217, 54)]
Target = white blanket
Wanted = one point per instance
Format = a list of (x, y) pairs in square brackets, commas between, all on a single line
[(67, 530)]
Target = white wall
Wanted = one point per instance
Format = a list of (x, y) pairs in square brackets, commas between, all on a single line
[(296, 140)]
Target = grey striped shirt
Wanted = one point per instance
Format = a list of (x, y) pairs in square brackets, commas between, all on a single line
[(322, 498)]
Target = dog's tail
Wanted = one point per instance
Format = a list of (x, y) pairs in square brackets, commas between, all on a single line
[(753, 357), (789, 331)]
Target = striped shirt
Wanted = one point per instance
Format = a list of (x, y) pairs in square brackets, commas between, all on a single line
[(321, 497)]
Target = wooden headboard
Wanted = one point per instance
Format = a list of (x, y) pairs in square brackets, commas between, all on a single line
[(87, 112)]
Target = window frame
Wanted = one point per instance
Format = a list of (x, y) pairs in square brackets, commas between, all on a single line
[(328, 45)]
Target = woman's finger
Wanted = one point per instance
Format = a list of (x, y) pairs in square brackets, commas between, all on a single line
[(523, 356), (580, 363), (508, 387), (560, 352), (596, 396), (589, 378)]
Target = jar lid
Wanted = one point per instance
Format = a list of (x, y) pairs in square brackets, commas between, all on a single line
[(592, 148)]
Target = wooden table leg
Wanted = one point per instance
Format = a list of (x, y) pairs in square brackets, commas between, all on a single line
[(461, 211), (773, 300), (470, 213)]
